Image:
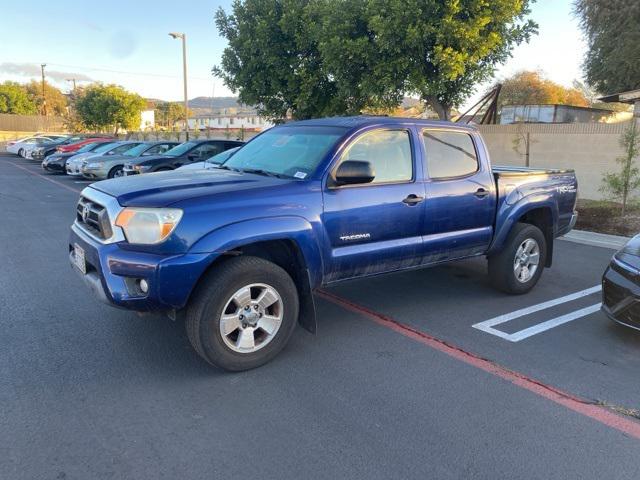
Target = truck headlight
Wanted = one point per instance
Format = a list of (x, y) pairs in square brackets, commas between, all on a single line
[(148, 226)]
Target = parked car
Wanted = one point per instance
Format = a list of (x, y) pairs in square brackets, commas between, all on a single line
[(18, 146), (74, 164), (621, 286), (238, 250), (183, 154), (210, 162), (73, 147), (57, 162), (110, 166), (45, 149)]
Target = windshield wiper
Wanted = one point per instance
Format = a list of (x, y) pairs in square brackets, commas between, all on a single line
[(223, 167), (259, 171)]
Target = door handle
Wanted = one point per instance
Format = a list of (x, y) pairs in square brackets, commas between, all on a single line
[(413, 199), (481, 193)]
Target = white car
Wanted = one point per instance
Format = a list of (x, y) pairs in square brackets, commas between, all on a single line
[(21, 146)]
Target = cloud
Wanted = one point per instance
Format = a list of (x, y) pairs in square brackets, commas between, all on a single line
[(33, 70)]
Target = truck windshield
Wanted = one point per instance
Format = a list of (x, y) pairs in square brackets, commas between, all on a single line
[(291, 151)]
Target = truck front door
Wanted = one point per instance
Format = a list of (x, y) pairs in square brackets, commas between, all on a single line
[(376, 227)]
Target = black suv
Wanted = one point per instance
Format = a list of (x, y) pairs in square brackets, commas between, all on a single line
[(183, 154)]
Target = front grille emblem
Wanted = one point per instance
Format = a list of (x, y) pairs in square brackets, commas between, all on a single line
[(85, 213)]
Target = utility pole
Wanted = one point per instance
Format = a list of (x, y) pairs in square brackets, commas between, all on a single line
[(72, 80), (44, 97), (184, 74)]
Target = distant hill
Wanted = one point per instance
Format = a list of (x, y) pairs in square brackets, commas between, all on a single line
[(209, 105)]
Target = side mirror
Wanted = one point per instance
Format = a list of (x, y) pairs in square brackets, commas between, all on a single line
[(193, 156), (352, 172)]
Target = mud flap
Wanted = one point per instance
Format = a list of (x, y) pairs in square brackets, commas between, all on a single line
[(307, 316)]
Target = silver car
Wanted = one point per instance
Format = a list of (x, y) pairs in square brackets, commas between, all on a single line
[(110, 165), (74, 164)]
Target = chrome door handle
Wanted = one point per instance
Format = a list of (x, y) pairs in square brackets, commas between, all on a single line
[(413, 199), (481, 193)]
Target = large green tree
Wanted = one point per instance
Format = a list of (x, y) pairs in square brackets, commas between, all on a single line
[(109, 106), (612, 28), (15, 99), (323, 57)]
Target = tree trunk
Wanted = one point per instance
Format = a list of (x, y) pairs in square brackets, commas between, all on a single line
[(442, 110)]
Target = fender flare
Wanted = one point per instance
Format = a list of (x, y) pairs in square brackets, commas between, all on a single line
[(512, 213), (291, 228)]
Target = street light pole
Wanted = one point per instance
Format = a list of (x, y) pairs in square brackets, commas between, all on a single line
[(183, 37), (44, 97)]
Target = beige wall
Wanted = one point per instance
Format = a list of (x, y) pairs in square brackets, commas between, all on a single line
[(588, 148)]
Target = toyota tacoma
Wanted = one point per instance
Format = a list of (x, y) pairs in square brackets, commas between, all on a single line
[(238, 250)]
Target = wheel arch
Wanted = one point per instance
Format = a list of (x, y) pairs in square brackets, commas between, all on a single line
[(542, 214), (293, 249)]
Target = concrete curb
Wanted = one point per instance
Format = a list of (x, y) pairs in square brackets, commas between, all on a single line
[(614, 242)]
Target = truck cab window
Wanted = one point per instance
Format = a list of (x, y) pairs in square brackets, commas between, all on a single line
[(449, 154), (388, 151)]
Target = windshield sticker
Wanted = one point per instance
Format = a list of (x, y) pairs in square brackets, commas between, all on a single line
[(300, 175)]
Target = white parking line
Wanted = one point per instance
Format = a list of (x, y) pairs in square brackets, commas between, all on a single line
[(487, 325)]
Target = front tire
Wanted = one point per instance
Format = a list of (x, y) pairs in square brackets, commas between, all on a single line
[(242, 314), (21, 152), (518, 267), (116, 172)]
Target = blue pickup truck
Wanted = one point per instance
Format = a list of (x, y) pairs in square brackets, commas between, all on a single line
[(238, 250)]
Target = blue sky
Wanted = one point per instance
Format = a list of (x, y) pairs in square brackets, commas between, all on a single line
[(127, 42)]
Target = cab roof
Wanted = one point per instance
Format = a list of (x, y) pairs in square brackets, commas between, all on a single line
[(372, 120)]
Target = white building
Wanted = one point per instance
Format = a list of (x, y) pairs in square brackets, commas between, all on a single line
[(248, 121), (147, 120)]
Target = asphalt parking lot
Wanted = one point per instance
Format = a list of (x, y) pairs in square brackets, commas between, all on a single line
[(425, 374)]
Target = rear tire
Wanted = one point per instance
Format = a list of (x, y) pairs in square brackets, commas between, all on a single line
[(518, 267), (21, 152), (231, 336)]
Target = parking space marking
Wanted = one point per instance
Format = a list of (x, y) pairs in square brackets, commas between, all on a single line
[(30, 172), (585, 407), (488, 325)]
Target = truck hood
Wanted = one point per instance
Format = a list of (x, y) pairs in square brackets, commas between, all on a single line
[(162, 189)]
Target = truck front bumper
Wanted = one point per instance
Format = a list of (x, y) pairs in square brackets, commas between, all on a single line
[(113, 274)]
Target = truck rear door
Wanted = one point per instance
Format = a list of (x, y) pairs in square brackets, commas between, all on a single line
[(376, 227), (460, 195)]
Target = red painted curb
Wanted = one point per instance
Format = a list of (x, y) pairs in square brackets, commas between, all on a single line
[(583, 407)]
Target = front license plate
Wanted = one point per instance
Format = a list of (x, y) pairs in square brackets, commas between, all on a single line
[(78, 258)]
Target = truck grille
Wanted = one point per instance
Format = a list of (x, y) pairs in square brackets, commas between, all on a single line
[(93, 218)]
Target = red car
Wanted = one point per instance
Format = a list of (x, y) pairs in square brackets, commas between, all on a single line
[(72, 147)]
